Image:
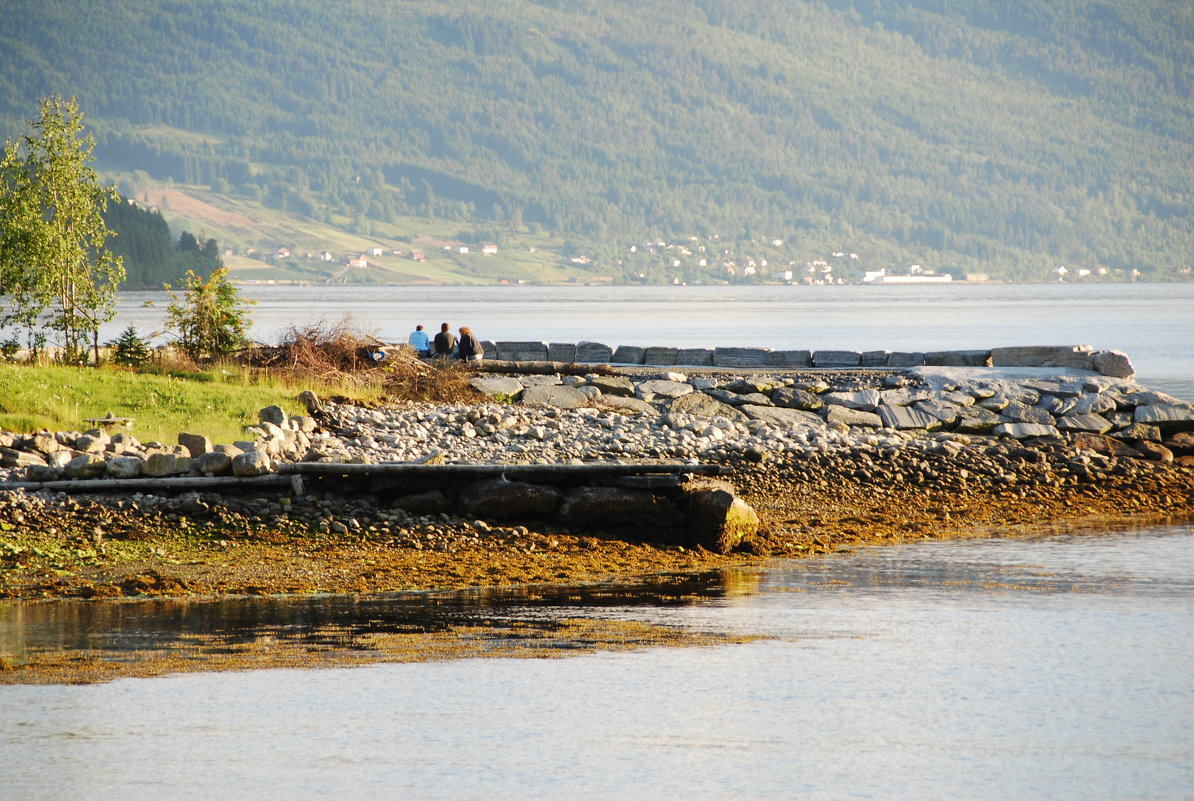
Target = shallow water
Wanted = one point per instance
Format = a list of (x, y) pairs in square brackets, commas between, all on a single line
[(1041, 668)]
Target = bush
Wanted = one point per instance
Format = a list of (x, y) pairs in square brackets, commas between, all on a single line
[(213, 320)]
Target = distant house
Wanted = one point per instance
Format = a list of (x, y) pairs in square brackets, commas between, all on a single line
[(359, 262), (375, 251), (488, 248), (283, 253), (417, 255), (326, 255), (462, 249)]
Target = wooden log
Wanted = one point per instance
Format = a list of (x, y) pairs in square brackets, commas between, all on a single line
[(519, 471), (143, 484), (540, 368)]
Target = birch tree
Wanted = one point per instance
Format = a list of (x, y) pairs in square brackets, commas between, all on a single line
[(56, 272)]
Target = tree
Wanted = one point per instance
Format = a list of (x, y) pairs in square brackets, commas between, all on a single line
[(212, 320), (55, 266)]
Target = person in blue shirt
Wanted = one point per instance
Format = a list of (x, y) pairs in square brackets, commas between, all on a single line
[(419, 341)]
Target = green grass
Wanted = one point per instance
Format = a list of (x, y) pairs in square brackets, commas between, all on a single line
[(217, 403)]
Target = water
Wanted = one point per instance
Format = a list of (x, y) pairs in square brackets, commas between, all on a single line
[(1018, 669), (1153, 323)]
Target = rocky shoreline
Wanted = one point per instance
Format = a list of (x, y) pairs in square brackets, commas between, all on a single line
[(828, 459)]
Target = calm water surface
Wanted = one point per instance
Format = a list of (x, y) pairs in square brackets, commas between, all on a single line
[(1153, 323), (1014, 669)]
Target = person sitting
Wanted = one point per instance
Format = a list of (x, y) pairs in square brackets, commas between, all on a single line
[(469, 349), (419, 341), (445, 343)]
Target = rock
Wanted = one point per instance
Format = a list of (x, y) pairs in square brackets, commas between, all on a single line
[(663, 389), (1017, 412), (90, 444), (903, 417), (844, 415), (165, 464), (866, 400), (561, 352), (559, 396), (659, 355), (902, 359), (494, 386), (695, 357), (874, 358), (488, 350), (1154, 452), (1025, 430), (304, 423), (1169, 417), (271, 414), (1076, 356), (195, 444), (124, 467), (521, 351), (613, 384), (45, 442), (251, 463), (1182, 443), (623, 404), (1105, 445), (718, 519), (698, 404), (87, 465), (1114, 363), (947, 413), (42, 472), (793, 398), (1091, 423), (597, 507), (593, 353), (422, 503), (740, 357), (498, 499), (10, 457), (976, 420), (837, 358), (537, 380), (958, 358), (310, 401), (214, 462), (628, 354), (784, 418), (789, 358), (1139, 431)]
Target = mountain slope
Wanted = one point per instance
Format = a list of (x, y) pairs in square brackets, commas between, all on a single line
[(996, 137)]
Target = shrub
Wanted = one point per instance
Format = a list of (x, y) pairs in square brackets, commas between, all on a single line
[(129, 349)]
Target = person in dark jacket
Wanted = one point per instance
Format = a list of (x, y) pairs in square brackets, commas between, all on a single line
[(468, 349), (445, 343)]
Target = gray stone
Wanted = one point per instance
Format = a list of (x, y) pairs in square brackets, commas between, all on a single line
[(740, 357), (165, 464), (628, 354), (87, 465), (1169, 417), (593, 353), (837, 358), (251, 463), (10, 457), (696, 357), (866, 399), (1025, 430), (304, 423), (213, 462), (1061, 387), (660, 355), (943, 411), (790, 358), (792, 398), (843, 415), (903, 417), (561, 352), (874, 358), (717, 518), (499, 499), (90, 444), (423, 503), (903, 359), (1016, 412), (521, 351), (755, 398), (1139, 431), (195, 444), (1055, 405), (664, 389), (493, 386), (624, 404), (124, 467), (958, 358), (699, 404), (45, 442), (42, 472), (541, 380), (1114, 363), (1075, 356), (559, 396), (784, 418), (489, 349), (976, 420), (1091, 423), (1094, 404), (598, 507), (613, 384), (271, 414)]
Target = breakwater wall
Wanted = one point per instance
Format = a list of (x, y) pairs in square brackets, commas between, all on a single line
[(1080, 357)]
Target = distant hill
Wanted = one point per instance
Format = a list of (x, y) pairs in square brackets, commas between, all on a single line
[(1007, 138)]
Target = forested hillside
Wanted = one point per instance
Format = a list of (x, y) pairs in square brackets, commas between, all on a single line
[(987, 136), (151, 256)]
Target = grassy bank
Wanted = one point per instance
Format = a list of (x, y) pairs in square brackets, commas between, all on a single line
[(218, 402)]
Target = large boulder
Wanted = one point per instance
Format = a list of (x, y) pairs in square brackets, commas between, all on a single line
[(626, 405), (560, 396), (493, 386), (1087, 423), (976, 420), (790, 358), (660, 355), (1169, 417), (628, 354), (593, 353), (195, 444), (866, 399), (1075, 356), (599, 507), (844, 415), (86, 465), (698, 404), (1025, 430), (521, 351), (904, 417), (695, 357), (740, 357), (251, 463), (160, 464), (124, 467), (661, 388), (718, 520), (1114, 363), (10, 457), (613, 384), (783, 418), (272, 414), (793, 398), (837, 358), (499, 499), (214, 463), (561, 352), (958, 358)]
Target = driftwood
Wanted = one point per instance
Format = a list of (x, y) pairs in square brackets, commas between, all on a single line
[(511, 471), (141, 484)]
